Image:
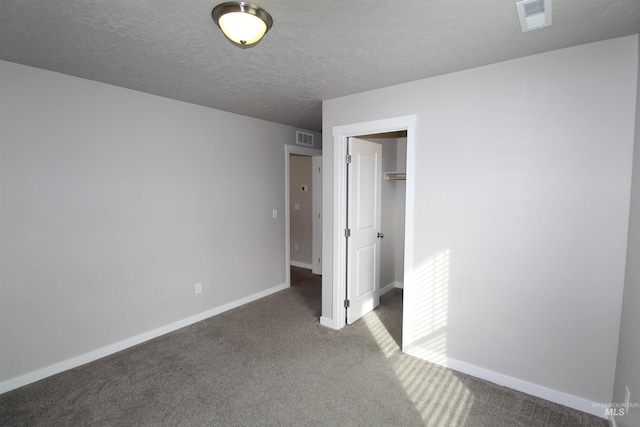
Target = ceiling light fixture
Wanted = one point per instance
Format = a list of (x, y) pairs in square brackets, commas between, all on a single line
[(241, 22)]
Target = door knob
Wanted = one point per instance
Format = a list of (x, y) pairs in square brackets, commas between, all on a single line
[(380, 235)]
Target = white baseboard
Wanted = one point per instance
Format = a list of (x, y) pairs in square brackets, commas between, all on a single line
[(301, 265), (326, 322), (559, 397), (391, 286), (387, 288), (399, 285), (129, 342)]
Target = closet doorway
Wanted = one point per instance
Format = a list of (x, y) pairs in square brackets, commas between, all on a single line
[(374, 129), (389, 227)]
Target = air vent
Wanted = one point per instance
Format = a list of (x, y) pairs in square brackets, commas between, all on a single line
[(534, 8), (534, 14), (303, 138)]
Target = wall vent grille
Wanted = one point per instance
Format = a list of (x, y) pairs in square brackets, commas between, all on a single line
[(304, 138)]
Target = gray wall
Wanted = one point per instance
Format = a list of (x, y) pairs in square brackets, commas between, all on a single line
[(628, 367), (115, 203), (521, 212), (302, 219)]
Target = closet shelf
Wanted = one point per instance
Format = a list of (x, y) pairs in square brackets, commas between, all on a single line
[(395, 176)]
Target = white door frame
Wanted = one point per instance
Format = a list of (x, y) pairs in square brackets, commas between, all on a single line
[(340, 135), (316, 239), (316, 243)]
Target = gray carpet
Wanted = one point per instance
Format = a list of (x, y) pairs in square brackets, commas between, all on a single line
[(270, 363)]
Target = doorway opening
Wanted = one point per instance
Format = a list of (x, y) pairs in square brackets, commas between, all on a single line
[(375, 219), (303, 203), (402, 130)]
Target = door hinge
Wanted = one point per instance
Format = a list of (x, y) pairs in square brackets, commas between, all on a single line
[(347, 303), (347, 232), (347, 158)]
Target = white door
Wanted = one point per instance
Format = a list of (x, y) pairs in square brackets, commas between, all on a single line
[(363, 221)]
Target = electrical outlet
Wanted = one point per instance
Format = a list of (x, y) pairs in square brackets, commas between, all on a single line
[(198, 288), (295, 247)]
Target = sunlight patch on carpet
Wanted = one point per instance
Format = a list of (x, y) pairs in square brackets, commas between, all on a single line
[(437, 394)]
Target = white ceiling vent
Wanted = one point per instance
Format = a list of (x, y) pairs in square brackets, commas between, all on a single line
[(534, 14), (303, 138)]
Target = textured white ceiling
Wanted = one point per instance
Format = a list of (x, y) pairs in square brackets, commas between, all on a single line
[(316, 50)]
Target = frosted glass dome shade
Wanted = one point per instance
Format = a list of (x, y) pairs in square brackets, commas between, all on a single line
[(242, 23)]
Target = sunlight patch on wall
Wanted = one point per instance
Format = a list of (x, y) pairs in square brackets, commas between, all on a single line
[(428, 307)]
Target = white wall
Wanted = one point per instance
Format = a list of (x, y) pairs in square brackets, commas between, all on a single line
[(302, 219), (388, 244), (628, 366), (522, 183), (392, 212), (114, 204), (401, 192)]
